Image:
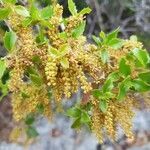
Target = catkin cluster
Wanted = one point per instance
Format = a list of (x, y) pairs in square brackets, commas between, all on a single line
[(118, 114), (65, 63)]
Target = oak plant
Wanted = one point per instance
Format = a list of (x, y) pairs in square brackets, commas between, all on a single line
[(49, 59)]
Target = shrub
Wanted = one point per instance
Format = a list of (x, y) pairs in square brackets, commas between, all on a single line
[(49, 59)]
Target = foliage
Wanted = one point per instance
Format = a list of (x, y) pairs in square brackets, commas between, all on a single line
[(56, 58)]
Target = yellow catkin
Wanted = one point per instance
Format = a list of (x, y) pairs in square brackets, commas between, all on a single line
[(117, 114), (16, 76), (97, 122), (67, 83), (51, 72), (85, 85), (35, 97)]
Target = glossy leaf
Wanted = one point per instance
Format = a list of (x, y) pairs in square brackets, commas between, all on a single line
[(3, 90), (104, 56), (10, 40), (22, 11), (133, 38), (53, 52), (10, 1), (26, 22), (141, 86), (24, 95), (145, 77), (142, 56), (115, 43), (96, 93), (102, 35), (47, 12), (35, 13), (2, 68), (40, 108), (76, 123), (103, 105), (85, 11), (65, 63), (31, 132), (113, 34), (108, 86), (36, 80), (79, 30), (124, 88), (85, 117), (114, 76), (64, 49), (4, 13), (124, 69), (97, 40), (63, 35), (72, 7), (29, 119), (74, 112)]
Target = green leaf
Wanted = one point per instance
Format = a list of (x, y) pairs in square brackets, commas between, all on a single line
[(85, 11), (31, 132), (85, 117), (115, 43), (109, 95), (22, 11), (133, 38), (4, 13), (36, 60), (10, 40), (64, 49), (142, 56), (141, 86), (78, 31), (24, 95), (104, 56), (29, 119), (96, 93), (47, 12), (76, 123), (113, 34), (114, 76), (108, 86), (41, 39), (72, 7), (6, 76), (145, 77), (3, 90), (32, 70), (11, 1), (124, 69), (26, 22), (53, 52), (65, 63), (102, 35), (124, 87), (36, 80), (35, 13), (63, 35), (2, 68), (40, 108), (74, 112), (103, 105), (97, 40)]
